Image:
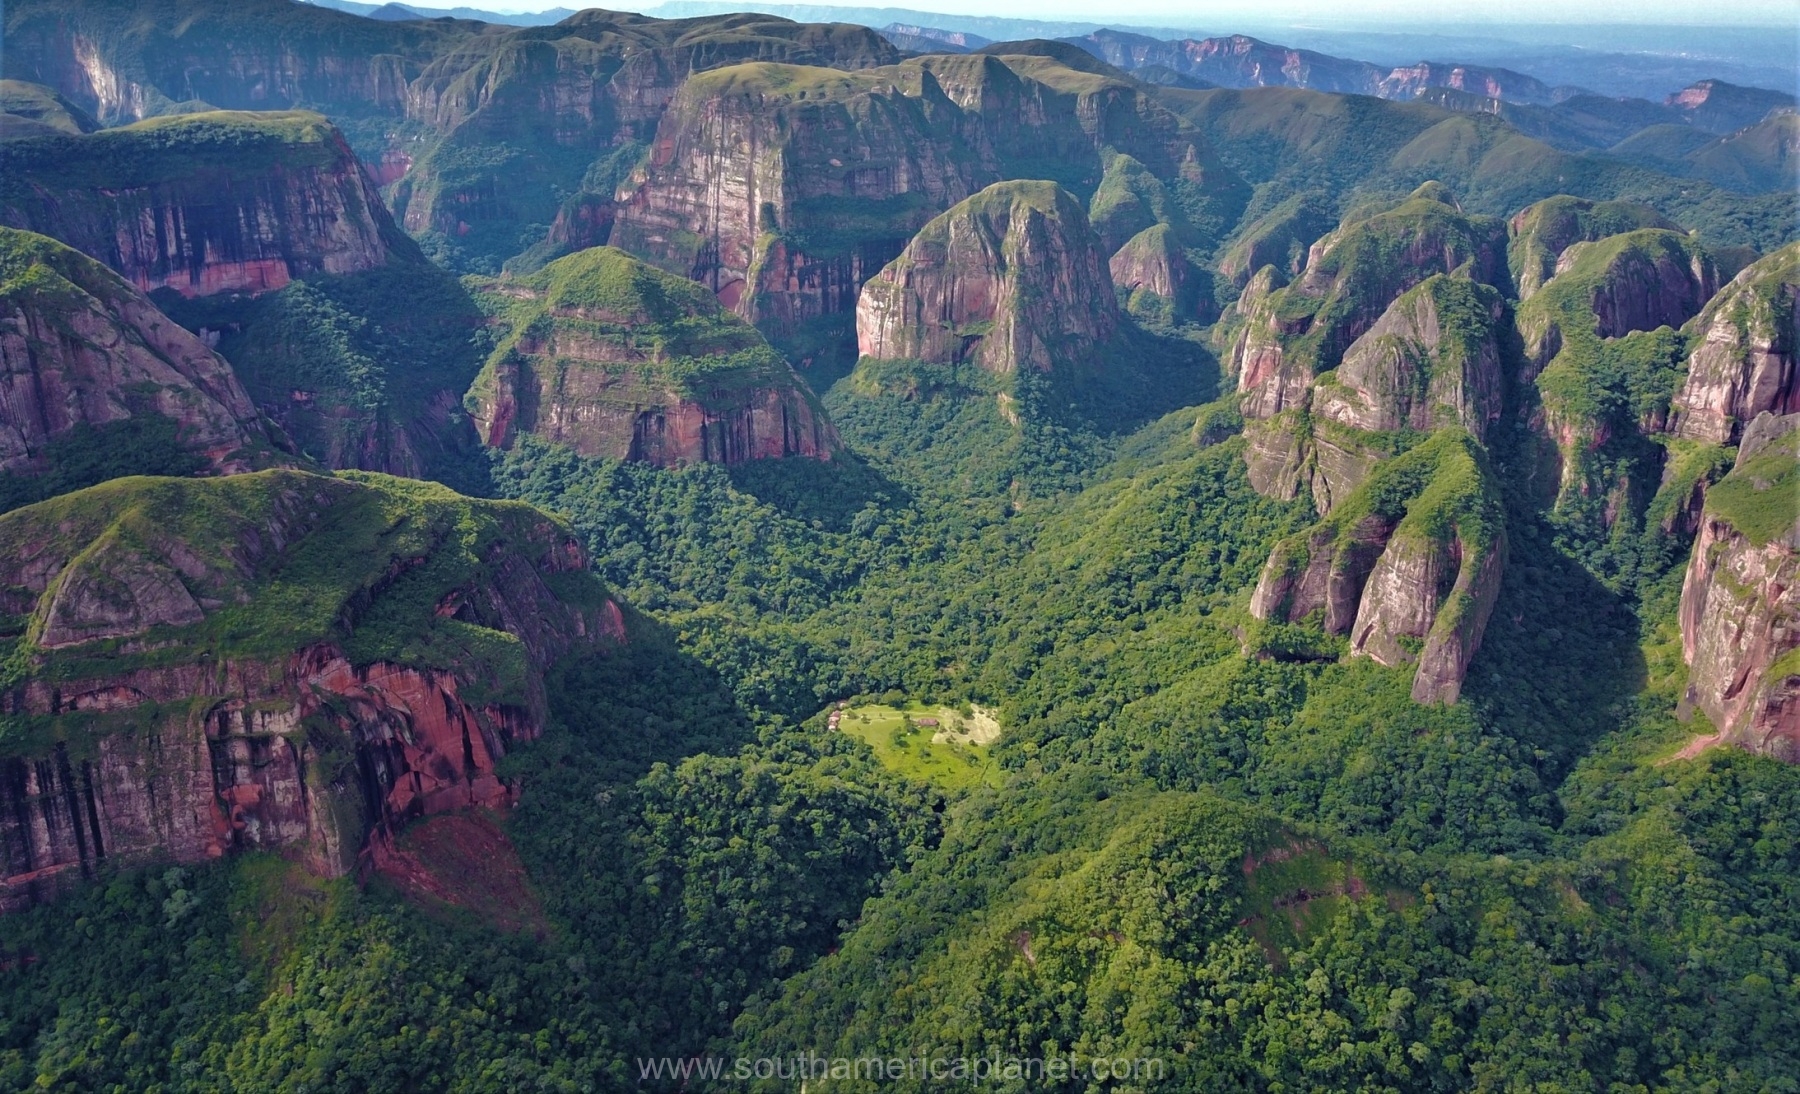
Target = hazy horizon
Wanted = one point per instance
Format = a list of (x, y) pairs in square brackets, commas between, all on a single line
[(1376, 15)]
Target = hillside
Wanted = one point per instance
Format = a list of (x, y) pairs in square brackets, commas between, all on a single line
[(98, 382), (613, 357), (569, 555), (269, 660)]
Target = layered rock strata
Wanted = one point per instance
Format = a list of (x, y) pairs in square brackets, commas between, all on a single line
[(81, 346), (616, 358), (276, 660)]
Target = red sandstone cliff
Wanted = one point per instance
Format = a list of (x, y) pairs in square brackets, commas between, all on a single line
[(79, 345), (179, 745), (1740, 600), (1011, 279), (1747, 361), (616, 358), (204, 203)]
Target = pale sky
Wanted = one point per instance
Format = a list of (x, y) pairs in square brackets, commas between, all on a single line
[(1366, 15)]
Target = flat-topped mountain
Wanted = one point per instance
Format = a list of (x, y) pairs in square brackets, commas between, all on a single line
[(204, 203), (616, 358), (276, 661)]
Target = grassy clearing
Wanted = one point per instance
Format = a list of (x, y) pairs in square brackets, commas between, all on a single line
[(954, 752)]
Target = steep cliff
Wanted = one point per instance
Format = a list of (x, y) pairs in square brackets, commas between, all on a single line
[(276, 660), (522, 113), (1601, 331), (784, 188), (1542, 232), (1431, 360), (1157, 279), (1350, 278), (1745, 361), (1634, 281), (1010, 279), (1408, 566), (1439, 344), (1740, 601), (204, 203), (123, 63), (616, 358), (1243, 61), (79, 346)]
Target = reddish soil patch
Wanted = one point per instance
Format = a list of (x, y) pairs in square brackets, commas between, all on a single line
[(464, 860), (1696, 746)]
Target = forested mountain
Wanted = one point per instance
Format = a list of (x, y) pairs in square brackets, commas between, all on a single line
[(561, 557)]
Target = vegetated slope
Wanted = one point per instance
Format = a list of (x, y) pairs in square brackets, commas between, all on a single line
[(614, 357), (1291, 141), (97, 382), (480, 132), (196, 666), (785, 188)]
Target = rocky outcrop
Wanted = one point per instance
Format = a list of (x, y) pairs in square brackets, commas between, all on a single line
[(80, 346), (204, 203), (1431, 360), (1408, 566), (598, 80), (1719, 107), (180, 697), (1154, 276), (1411, 81), (1279, 239), (616, 358), (1242, 61), (779, 186), (242, 55), (1745, 361), (1635, 281), (1542, 232), (1740, 599), (1011, 279), (1352, 276)]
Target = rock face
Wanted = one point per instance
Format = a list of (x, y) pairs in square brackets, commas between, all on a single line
[(1011, 279), (1351, 277), (79, 345), (598, 80), (247, 55), (1542, 232), (784, 188), (1720, 107), (1740, 600), (1393, 325), (1153, 274), (1431, 360), (1635, 281), (387, 692), (1745, 362), (1408, 566), (204, 203), (481, 129), (1242, 61), (616, 358)]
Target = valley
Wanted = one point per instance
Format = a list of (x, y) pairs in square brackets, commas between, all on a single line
[(532, 548)]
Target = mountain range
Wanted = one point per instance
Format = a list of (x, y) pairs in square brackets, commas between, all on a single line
[(566, 554)]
